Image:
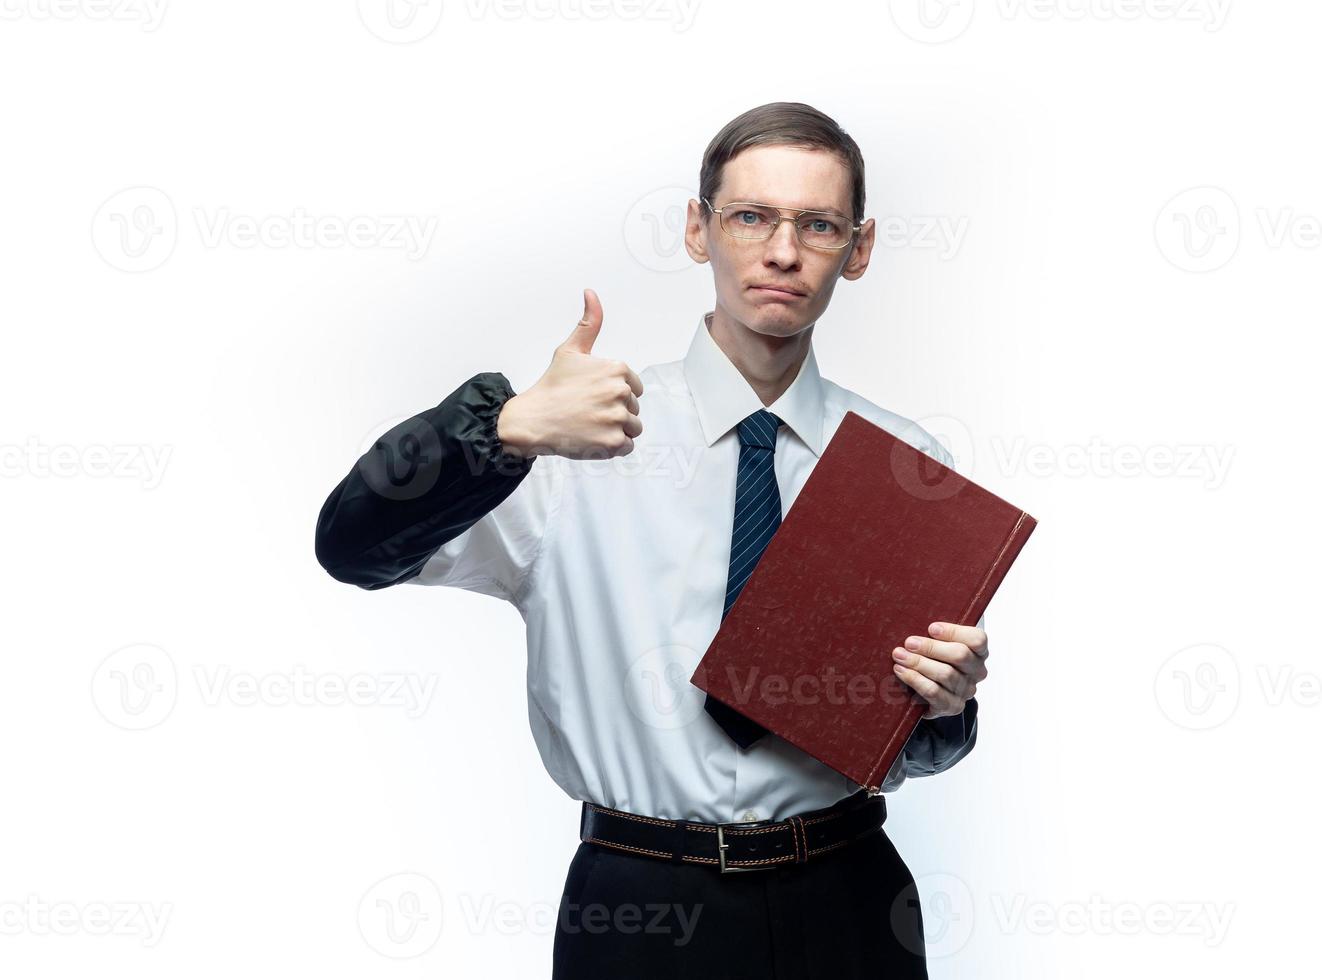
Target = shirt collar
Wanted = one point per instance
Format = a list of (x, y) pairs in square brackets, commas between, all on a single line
[(724, 398)]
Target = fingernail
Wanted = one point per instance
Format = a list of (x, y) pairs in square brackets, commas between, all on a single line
[(913, 643)]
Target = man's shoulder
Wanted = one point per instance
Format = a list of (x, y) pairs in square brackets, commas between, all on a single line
[(840, 399)]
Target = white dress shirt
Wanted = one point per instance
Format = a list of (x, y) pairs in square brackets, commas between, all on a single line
[(618, 567)]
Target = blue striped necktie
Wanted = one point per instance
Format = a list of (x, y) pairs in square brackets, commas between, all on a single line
[(756, 517)]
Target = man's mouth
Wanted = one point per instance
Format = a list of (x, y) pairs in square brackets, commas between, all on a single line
[(774, 289)]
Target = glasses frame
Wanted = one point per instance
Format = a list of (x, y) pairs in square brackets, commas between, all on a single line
[(798, 232)]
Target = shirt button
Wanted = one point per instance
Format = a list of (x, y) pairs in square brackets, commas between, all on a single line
[(749, 815)]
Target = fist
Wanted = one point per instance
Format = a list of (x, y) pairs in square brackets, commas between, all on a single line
[(582, 407)]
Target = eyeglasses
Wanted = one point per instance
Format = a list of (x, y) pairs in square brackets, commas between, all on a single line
[(757, 222)]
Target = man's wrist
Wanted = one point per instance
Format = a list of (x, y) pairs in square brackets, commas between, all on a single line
[(514, 437)]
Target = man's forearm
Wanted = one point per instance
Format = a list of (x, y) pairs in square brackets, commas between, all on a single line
[(423, 483)]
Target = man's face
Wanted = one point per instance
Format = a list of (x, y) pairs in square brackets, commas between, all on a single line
[(788, 177)]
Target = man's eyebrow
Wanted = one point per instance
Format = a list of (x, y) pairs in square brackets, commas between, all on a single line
[(787, 207)]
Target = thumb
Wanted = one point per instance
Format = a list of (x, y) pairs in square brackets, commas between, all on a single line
[(586, 330)]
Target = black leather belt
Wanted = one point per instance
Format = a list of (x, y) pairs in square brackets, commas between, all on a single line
[(746, 846)]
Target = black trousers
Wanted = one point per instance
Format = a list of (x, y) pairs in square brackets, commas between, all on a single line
[(851, 913)]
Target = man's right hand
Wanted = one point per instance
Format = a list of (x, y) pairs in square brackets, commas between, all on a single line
[(582, 407)]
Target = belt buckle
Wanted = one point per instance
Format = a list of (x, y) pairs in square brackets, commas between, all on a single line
[(721, 845)]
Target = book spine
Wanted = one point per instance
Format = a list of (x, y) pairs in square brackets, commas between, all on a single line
[(977, 605), (1000, 566)]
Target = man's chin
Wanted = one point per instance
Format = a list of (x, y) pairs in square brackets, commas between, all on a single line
[(777, 319)]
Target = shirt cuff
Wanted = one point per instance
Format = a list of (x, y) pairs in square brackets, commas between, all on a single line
[(490, 391), (938, 743)]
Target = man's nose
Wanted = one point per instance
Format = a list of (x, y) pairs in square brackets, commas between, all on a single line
[(782, 247)]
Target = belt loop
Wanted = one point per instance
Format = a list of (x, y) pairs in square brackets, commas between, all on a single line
[(677, 849), (800, 834), (582, 819)]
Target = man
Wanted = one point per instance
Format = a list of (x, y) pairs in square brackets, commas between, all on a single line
[(623, 573)]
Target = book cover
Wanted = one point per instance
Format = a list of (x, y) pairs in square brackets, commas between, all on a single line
[(882, 540)]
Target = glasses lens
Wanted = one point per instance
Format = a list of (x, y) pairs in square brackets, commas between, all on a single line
[(824, 230), (748, 220)]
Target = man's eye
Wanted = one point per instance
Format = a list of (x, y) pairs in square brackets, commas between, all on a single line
[(823, 226), (747, 217)]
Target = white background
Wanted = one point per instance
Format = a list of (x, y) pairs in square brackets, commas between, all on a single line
[(1120, 340)]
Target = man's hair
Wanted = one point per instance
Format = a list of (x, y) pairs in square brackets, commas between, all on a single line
[(785, 124)]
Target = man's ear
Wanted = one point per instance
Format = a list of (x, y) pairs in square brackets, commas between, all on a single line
[(695, 231), (861, 253)]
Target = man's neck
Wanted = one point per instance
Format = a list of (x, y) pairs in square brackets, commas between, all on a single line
[(768, 364)]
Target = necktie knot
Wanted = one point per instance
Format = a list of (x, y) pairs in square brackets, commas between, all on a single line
[(759, 430)]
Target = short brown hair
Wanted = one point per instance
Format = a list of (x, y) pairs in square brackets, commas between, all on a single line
[(786, 124)]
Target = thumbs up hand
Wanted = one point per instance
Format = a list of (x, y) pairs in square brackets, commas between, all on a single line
[(582, 407)]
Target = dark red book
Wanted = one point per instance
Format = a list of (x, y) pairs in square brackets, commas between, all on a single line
[(882, 540)]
